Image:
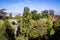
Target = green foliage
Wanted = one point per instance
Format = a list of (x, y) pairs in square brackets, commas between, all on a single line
[(57, 23), (20, 37), (26, 12), (45, 14), (32, 25), (9, 30), (8, 24), (51, 12), (49, 23), (43, 27), (17, 17), (26, 21), (2, 30), (38, 29), (52, 31), (34, 33), (35, 15), (1, 22), (2, 14)]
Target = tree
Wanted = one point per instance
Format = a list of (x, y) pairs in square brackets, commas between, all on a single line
[(26, 12), (2, 11), (35, 15), (2, 14), (26, 23), (51, 12), (45, 14), (39, 29), (10, 16)]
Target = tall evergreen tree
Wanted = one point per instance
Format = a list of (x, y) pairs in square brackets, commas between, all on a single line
[(26, 22)]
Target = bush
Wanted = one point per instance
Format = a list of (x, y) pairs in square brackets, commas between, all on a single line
[(2, 30)]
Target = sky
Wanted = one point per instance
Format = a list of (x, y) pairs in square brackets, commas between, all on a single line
[(17, 6)]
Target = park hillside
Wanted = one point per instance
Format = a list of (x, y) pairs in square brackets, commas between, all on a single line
[(30, 26)]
